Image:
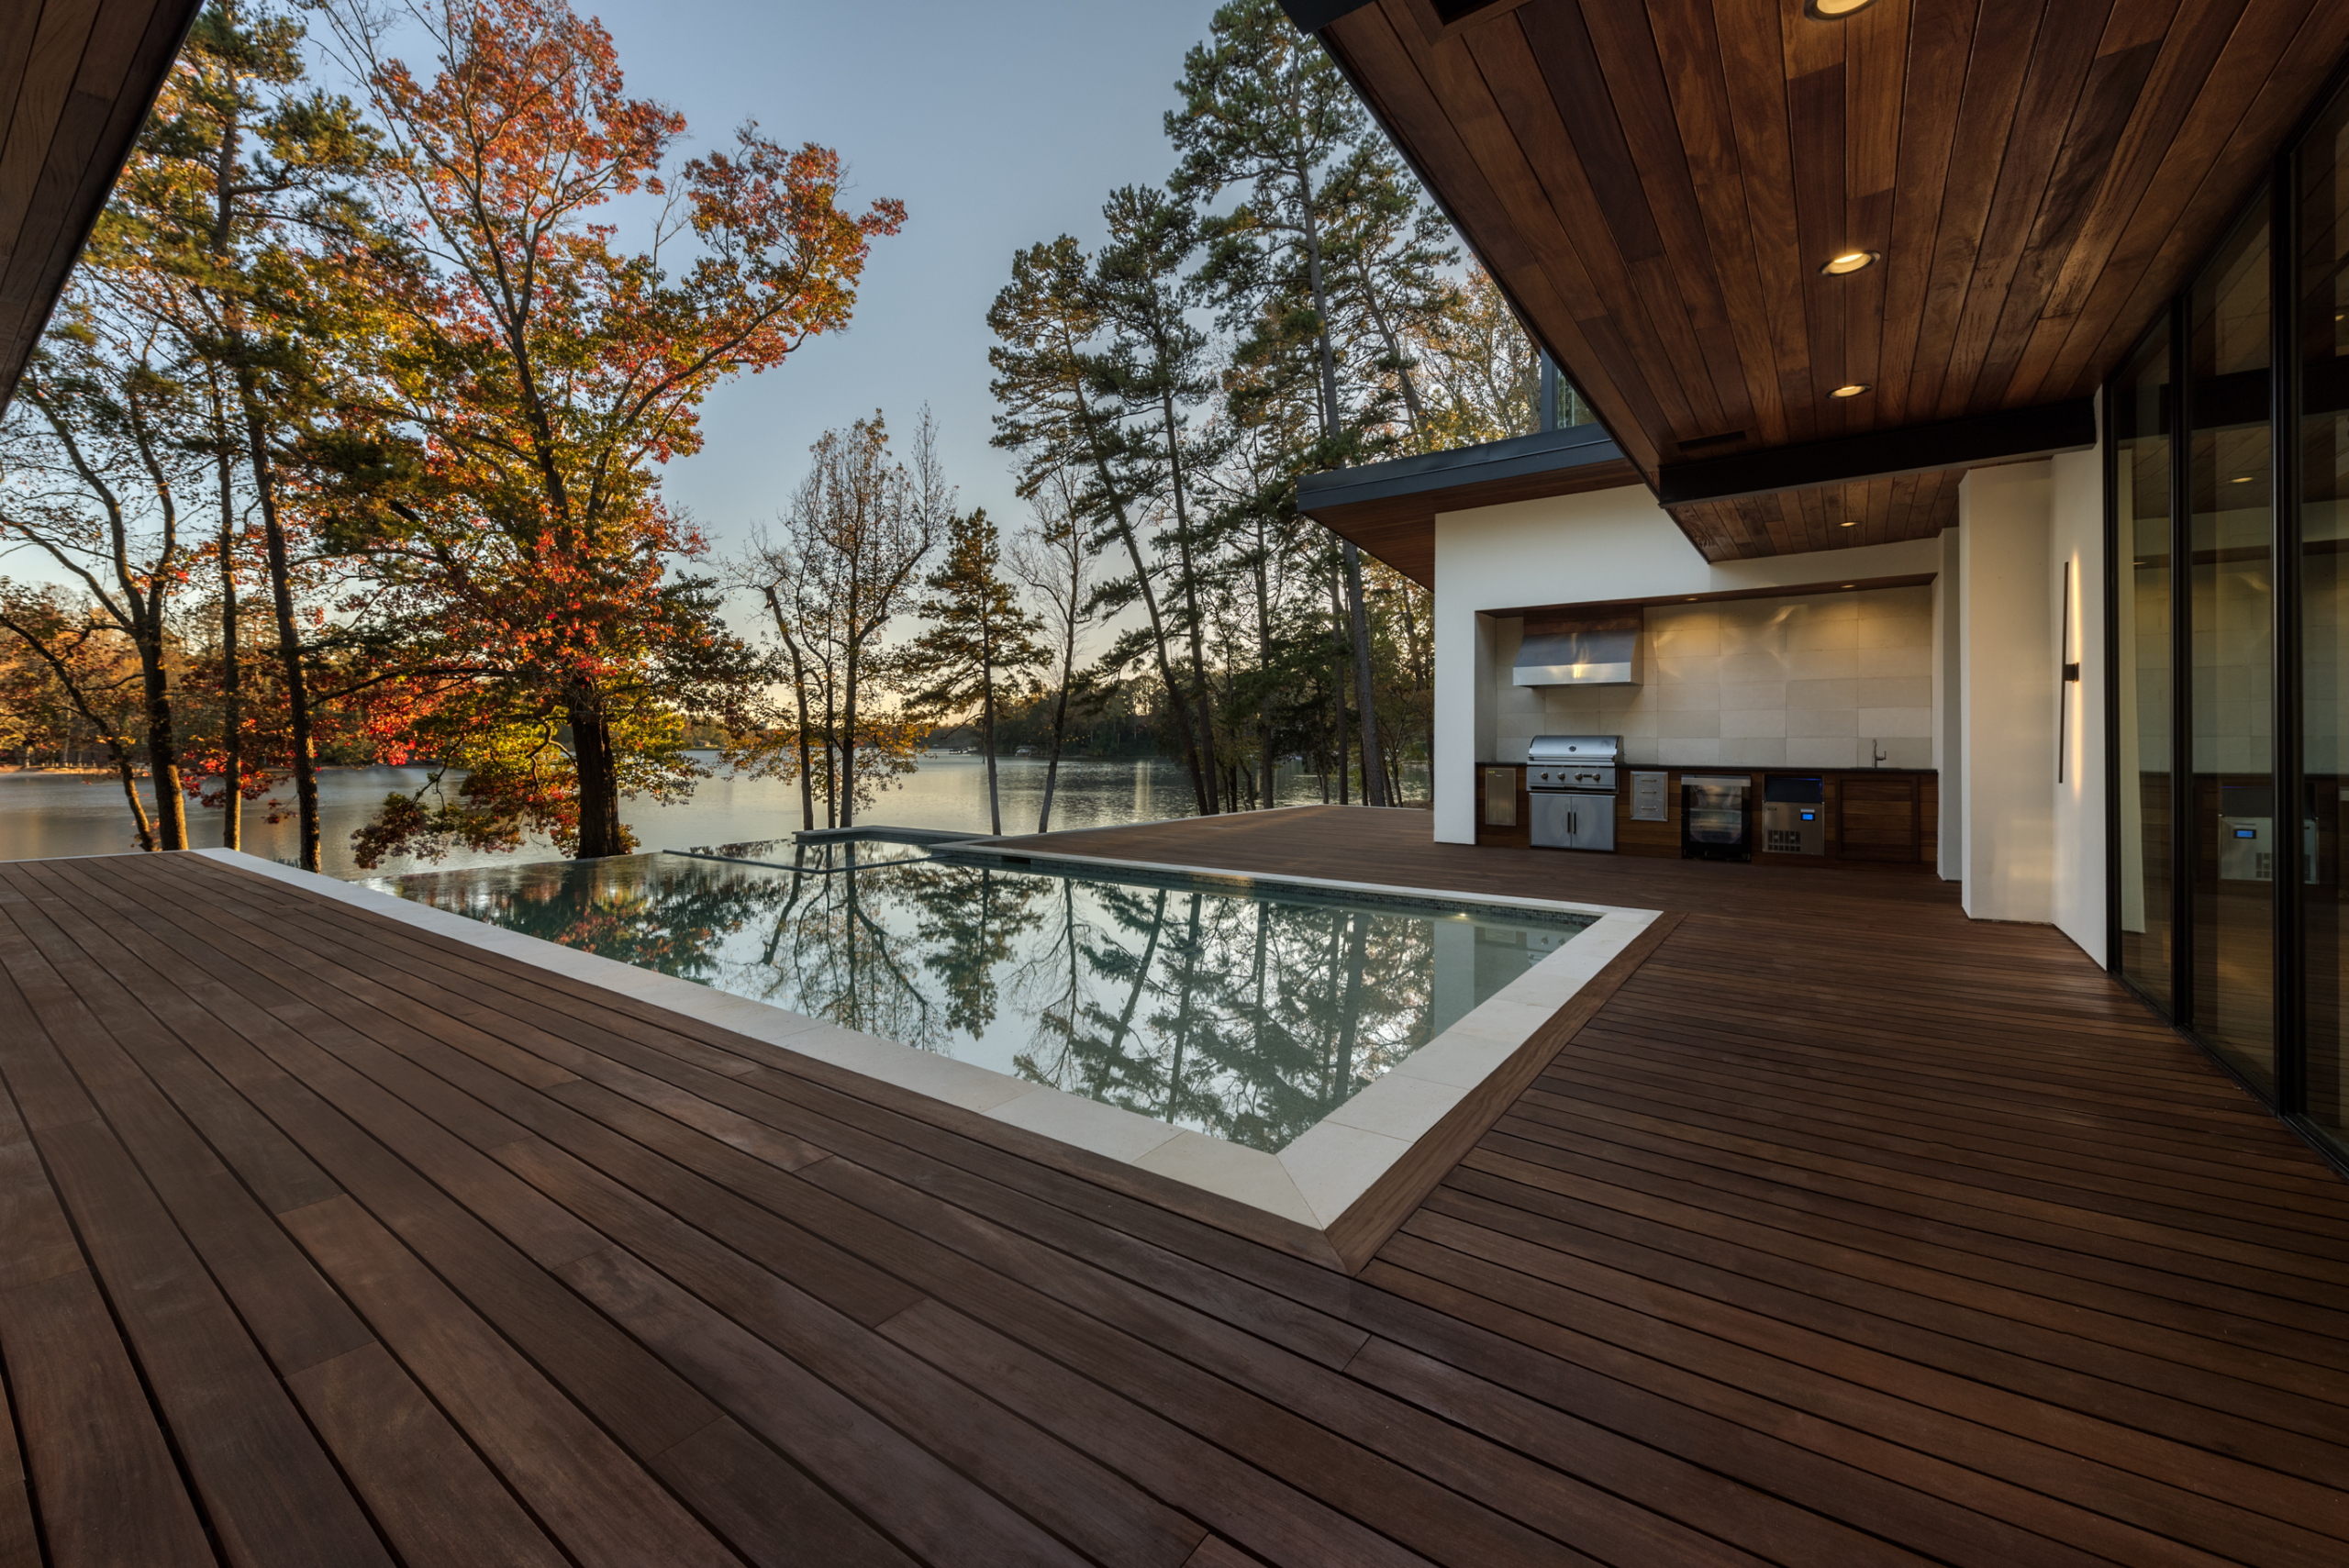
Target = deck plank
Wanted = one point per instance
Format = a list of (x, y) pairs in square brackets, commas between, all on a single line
[(1845, 1230)]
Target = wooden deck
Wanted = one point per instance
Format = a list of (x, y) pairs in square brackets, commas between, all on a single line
[(1847, 1233)]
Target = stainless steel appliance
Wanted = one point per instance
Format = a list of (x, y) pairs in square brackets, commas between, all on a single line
[(1570, 780), (1716, 817), (1794, 816)]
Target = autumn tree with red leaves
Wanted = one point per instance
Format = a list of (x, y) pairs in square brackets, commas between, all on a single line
[(501, 470)]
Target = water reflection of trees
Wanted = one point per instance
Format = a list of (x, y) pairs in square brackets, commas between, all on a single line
[(1248, 1019), (625, 908)]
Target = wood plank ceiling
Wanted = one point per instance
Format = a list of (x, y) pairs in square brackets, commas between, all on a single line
[(1656, 184), (76, 78)]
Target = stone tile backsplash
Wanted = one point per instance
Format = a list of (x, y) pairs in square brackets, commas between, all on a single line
[(1818, 681)]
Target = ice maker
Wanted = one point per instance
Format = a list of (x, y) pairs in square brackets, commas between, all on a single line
[(1794, 816)]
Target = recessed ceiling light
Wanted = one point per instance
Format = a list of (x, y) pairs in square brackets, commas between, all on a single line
[(1834, 10), (1851, 584), (1850, 390), (1849, 523), (1849, 262), (2240, 479)]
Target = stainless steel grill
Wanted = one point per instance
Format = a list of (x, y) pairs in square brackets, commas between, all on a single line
[(1570, 781)]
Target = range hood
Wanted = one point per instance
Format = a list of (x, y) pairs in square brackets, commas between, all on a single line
[(1587, 658)]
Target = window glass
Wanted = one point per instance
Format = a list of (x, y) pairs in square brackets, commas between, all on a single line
[(2323, 336), (2231, 796), (2141, 438)]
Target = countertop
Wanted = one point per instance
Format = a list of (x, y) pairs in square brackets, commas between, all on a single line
[(1743, 768)]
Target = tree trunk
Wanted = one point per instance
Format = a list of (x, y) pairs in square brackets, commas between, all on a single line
[(289, 641), (1373, 787), (1199, 784), (1350, 1020), (598, 771), (807, 757), (1264, 667), (1338, 685), (831, 761), (1209, 806), (847, 744), (799, 690), (1182, 1017), (1125, 530), (1052, 762), (986, 735), (130, 791), (1330, 422), (1141, 974), (232, 707), (162, 743)]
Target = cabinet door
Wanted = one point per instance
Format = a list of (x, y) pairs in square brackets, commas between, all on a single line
[(1592, 818), (1876, 819)]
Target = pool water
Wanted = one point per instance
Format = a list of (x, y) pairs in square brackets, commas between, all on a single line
[(1248, 1013)]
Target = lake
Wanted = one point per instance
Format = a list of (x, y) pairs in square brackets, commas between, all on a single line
[(46, 815)]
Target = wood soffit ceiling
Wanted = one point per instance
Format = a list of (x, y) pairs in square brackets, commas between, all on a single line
[(76, 77), (1657, 184)]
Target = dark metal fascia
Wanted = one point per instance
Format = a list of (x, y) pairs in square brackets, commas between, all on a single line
[(1312, 15), (1544, 452), (2043, 429)]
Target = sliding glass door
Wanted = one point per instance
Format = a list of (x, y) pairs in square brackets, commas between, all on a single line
[(2141, 405), (2321, 607), (2230, 535), (2228, 494)]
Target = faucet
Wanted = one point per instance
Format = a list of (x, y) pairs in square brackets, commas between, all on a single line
[(1877, 747)]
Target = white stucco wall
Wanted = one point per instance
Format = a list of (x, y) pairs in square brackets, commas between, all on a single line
[(2034, 844), (2007, 647), (1609, 544)]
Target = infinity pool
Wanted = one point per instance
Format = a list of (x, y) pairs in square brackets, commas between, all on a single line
[(1248, 1013)]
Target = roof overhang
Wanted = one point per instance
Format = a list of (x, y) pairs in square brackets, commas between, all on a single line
[(1388, 509), (80, 76), (1656, 184)]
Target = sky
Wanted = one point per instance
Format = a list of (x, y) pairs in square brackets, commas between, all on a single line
[(997, 126)]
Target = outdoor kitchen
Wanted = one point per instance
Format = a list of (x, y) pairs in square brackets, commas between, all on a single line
[(1794, 728)]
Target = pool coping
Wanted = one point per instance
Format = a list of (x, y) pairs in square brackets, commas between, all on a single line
[(1352, 1176)]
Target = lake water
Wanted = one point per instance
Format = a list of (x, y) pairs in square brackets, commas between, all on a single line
[(1249, 1015), (45, 815)]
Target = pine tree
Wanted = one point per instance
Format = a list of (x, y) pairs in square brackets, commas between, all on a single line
[(1047, 323), (1265, 109), (979, 637)]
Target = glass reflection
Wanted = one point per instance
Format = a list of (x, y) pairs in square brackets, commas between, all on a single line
[(2231, 530), (1245, 1016), (2322, 269), (2141, 427)]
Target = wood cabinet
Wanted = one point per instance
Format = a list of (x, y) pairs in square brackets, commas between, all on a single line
[(1878, 819), (1892, 815), (1874, 815)]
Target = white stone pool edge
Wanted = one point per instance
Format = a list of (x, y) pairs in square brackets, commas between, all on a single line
[(1314, 1181)]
